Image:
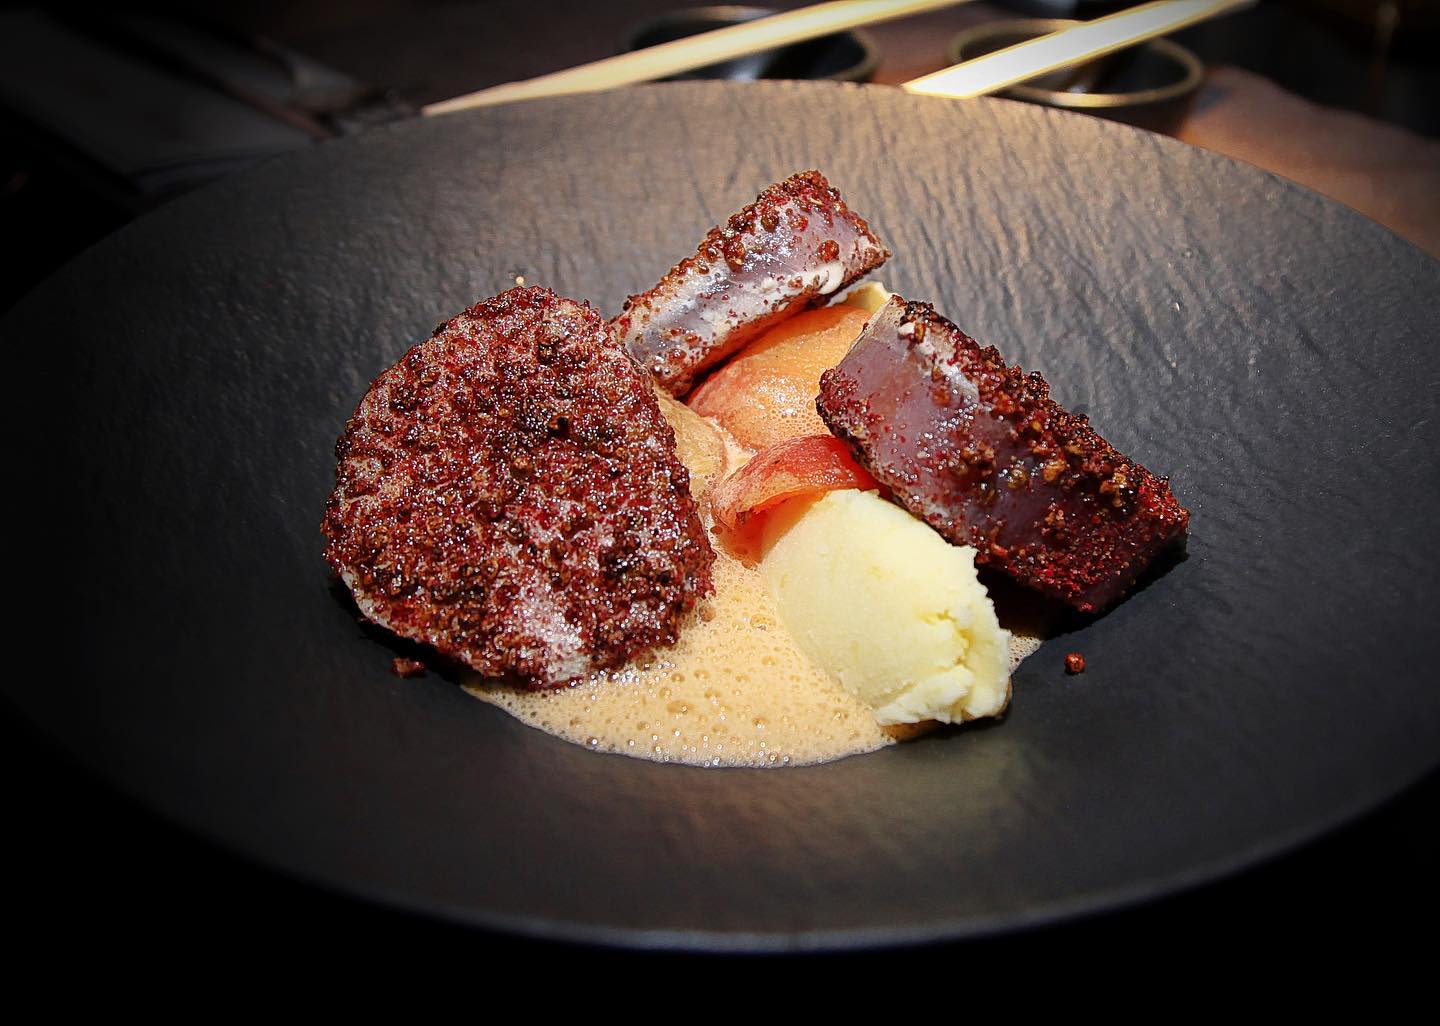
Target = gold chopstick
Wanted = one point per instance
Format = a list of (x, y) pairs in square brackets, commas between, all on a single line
[(695, 51), (1085, 42)]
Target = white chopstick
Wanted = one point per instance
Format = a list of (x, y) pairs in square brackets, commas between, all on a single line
[(1086, 42), (695, 51)]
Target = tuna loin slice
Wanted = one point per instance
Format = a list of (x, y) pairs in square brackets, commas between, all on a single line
[(509, 493), (978, 450), (795, 245)]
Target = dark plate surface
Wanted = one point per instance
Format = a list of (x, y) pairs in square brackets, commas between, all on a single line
[(184, 384)]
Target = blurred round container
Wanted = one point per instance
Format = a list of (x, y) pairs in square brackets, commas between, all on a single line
[(843, 56), (1150, 86)]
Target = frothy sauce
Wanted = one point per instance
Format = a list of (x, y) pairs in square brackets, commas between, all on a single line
[(734, 691)]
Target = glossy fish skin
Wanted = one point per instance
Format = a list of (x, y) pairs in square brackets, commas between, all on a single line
[(978, 450), (797, 244)]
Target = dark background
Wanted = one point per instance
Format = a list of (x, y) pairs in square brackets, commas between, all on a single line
[(90, 874)]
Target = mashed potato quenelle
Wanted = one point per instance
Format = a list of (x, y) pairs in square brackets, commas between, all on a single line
[(889, 609)]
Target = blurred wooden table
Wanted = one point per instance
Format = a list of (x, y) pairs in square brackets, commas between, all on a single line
[(1383, 171)]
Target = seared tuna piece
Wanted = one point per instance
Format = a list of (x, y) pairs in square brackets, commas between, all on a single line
[(795, 245), (509, 493), (978, 450)]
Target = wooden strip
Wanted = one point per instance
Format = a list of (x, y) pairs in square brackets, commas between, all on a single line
[(1085, 42), (695, 51)]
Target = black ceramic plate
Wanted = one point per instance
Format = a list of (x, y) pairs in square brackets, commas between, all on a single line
[(183, 384)]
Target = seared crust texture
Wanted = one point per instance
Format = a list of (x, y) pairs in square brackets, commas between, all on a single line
[(797, 244), (509, 494), (979, 450)]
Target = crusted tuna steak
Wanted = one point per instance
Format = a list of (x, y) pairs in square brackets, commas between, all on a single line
[(980, 451), (795, 245), (509, 493)]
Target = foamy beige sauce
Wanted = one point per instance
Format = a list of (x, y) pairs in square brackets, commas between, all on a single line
[(734, 691)]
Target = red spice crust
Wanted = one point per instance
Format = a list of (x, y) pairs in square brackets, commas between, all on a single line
[(978, 449), (768, 261), (509, 493)]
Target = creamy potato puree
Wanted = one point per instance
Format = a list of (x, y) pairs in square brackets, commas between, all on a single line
[(734, 691)]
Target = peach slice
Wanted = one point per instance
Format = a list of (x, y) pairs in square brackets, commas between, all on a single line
[(766, 393), (795, 468)]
